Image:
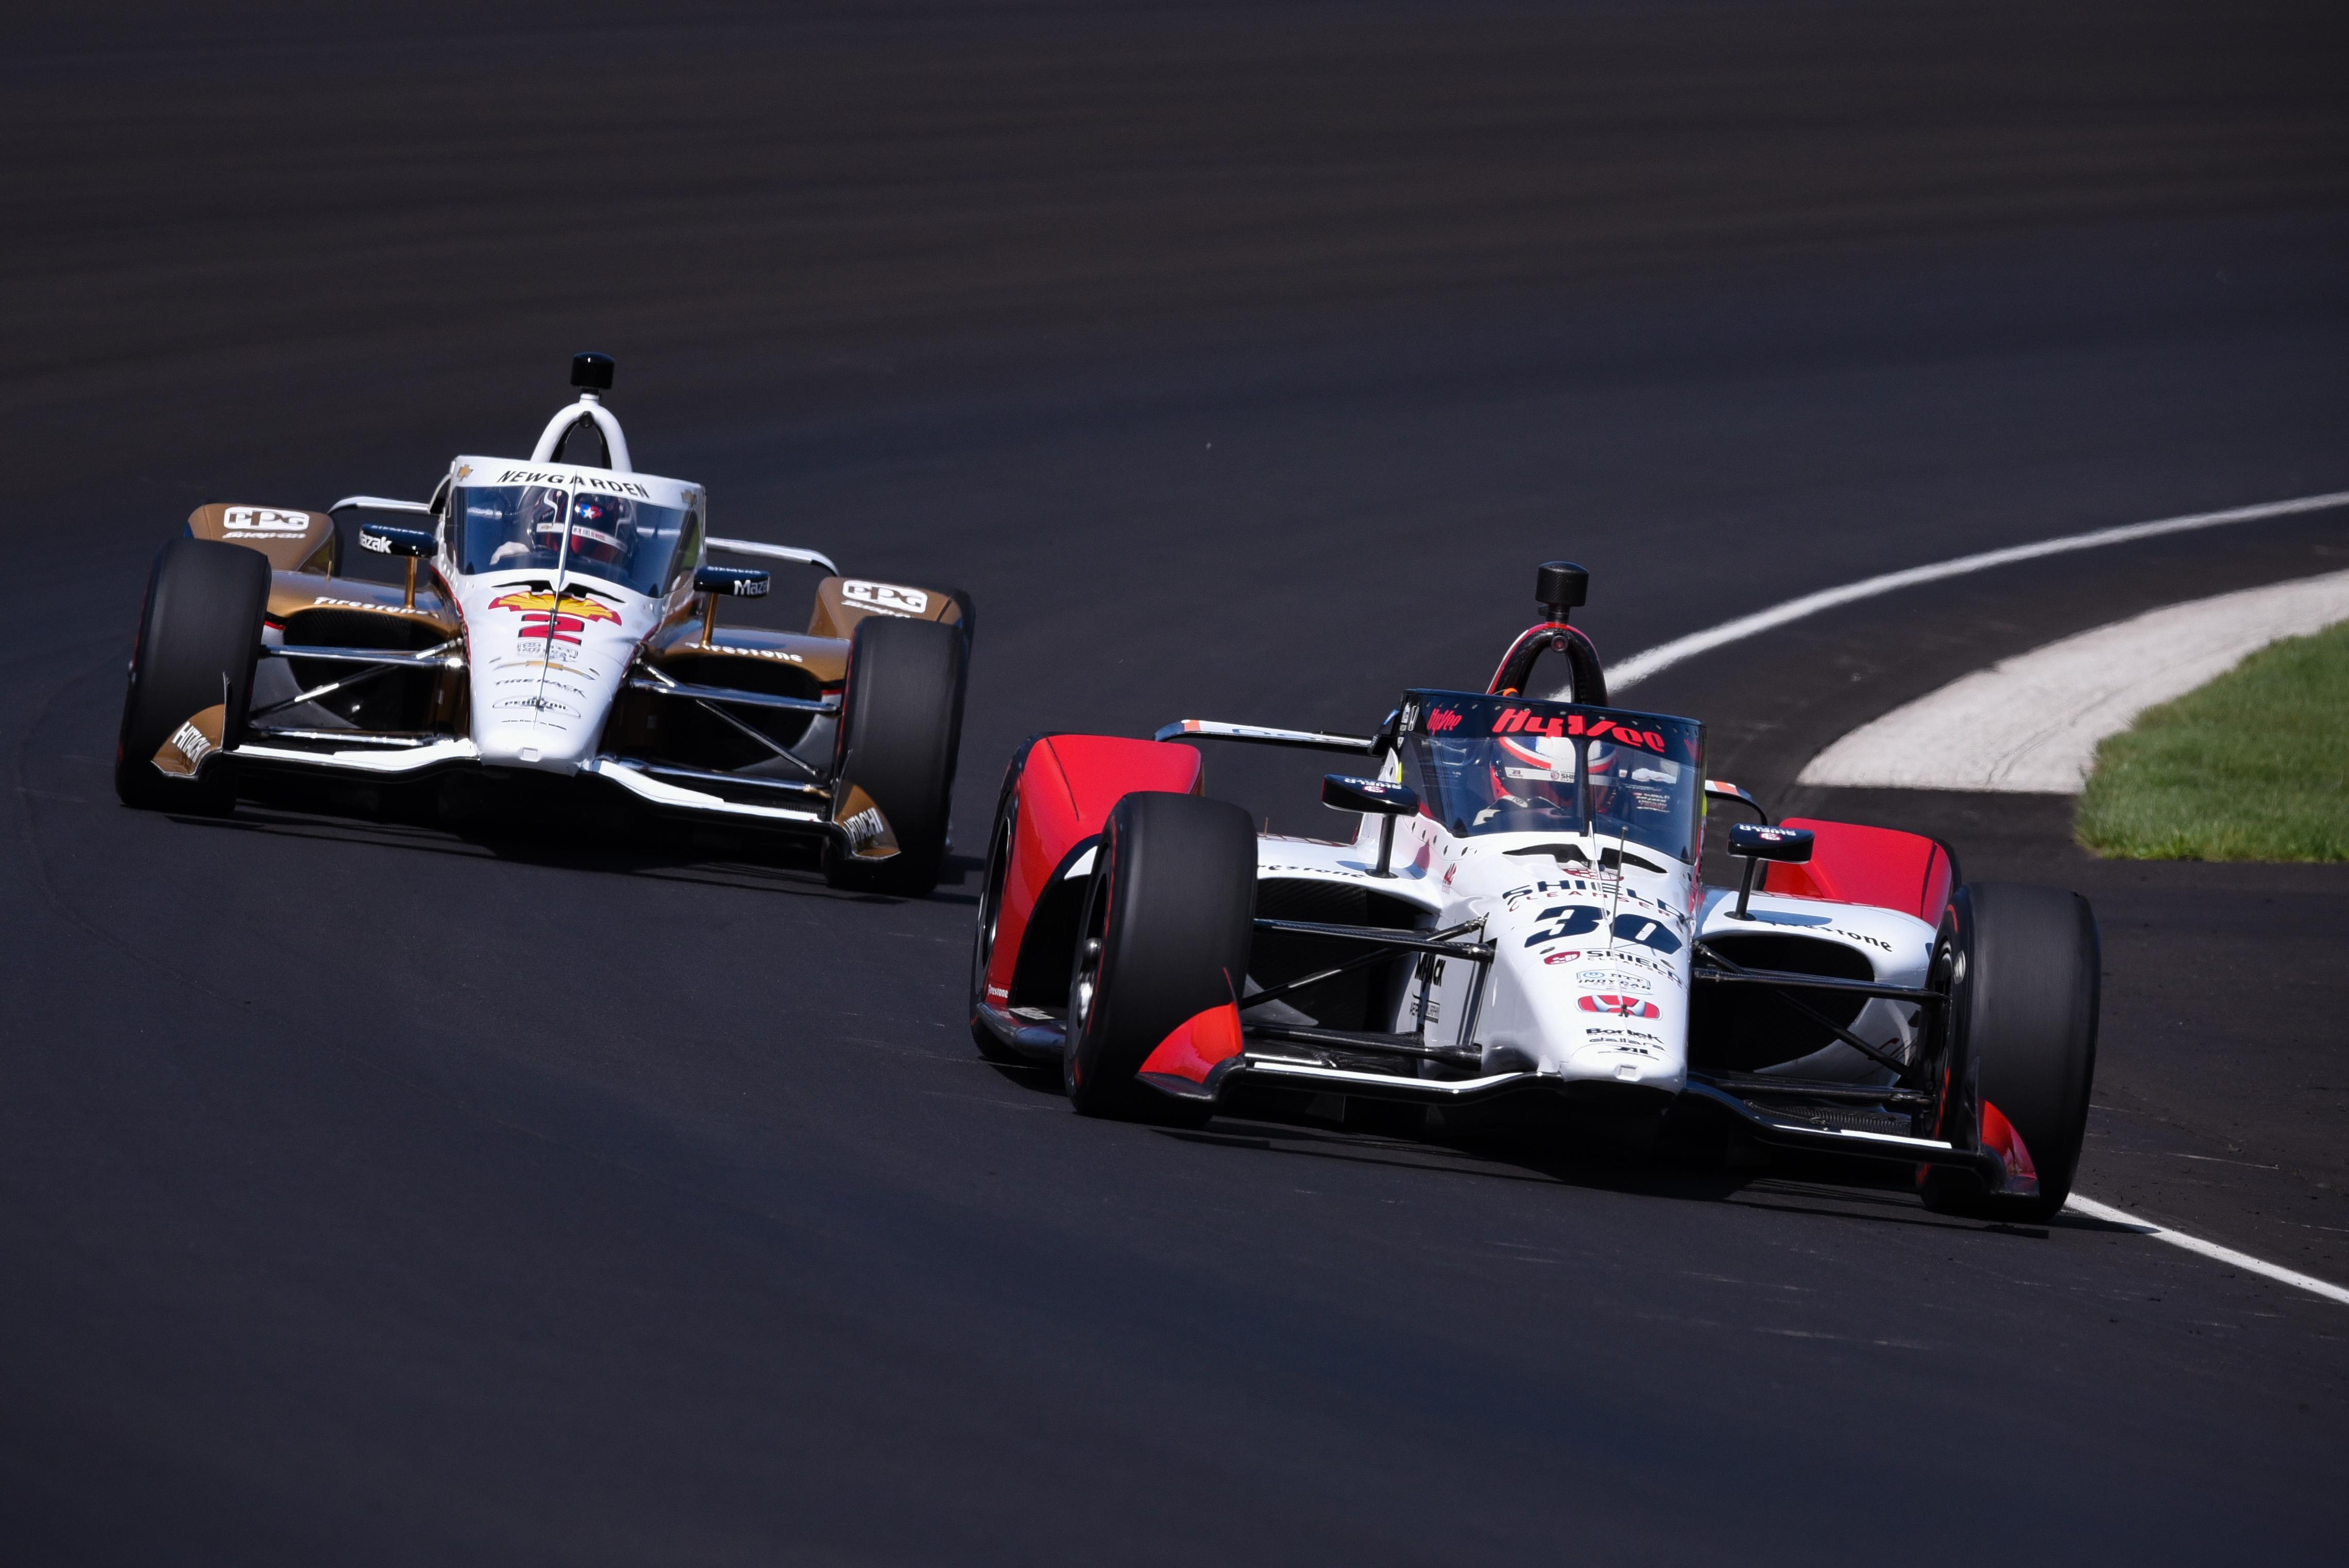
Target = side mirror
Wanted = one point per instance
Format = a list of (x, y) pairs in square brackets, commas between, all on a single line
[(1753, 843), (741, 581), (412, 543), (384, 538), (1368, 795), (737, 582), (1382, 801), (1722, 789)]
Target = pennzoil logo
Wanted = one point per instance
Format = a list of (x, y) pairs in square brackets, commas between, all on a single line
[(542, 616)]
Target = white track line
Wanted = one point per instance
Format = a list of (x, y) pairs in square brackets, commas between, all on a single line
[(2031, 724), (2228, 1256), (1662, 657)]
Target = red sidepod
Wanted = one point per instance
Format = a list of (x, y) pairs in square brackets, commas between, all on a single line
[(1880, 866), (1065, 792)]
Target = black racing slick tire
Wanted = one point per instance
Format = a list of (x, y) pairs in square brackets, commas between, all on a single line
[(900, 729), (2025, 980), (198, 635), (1001, 841), (1165, 936)]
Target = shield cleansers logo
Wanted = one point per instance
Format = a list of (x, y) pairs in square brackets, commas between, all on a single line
[(542, 616)]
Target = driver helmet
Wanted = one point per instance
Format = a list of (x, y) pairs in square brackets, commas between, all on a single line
[(1540, 769), (603, 529), (546, 521), (1535, 771)]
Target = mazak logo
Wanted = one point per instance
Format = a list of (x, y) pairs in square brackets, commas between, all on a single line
[(542, 616), (1620, 1005)]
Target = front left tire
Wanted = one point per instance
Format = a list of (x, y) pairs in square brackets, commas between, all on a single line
[(199, 637), (1168, 920)]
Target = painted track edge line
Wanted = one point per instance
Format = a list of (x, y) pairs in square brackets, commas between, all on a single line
[(1663, 655), (2243, 1261)]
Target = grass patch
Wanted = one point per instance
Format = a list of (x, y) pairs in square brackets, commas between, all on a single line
[(2253, 767)]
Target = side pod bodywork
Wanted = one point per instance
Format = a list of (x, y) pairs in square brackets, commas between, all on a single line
[(1059, 792)]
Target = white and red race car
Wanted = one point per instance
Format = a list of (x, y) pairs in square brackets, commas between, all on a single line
[(1519, 914)]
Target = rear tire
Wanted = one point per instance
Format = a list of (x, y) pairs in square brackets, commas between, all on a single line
[(900, 729), (198, 634), (1165, 935), (2025, 980)]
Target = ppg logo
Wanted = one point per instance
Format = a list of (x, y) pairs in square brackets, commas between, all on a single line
[(262, 520), (885, 597)]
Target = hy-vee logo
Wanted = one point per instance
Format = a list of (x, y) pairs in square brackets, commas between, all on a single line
[(1525, 721)]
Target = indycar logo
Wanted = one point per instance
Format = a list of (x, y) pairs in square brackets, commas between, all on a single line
[(542, 616), (1621, 980), (1620, 1005), (261, 519), (885, 597), (1525, 721)]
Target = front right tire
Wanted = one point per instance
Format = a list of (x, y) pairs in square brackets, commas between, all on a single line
[(900, 729)]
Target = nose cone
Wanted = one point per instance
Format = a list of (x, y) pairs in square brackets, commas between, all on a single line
[(543, 675), (1602, 972)]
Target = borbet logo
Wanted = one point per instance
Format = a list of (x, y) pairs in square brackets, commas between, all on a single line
[(1525, 721)]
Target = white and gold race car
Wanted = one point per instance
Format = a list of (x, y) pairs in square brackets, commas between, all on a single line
[(561, 618)]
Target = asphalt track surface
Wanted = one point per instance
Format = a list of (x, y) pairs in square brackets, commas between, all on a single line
[(372, 1193)]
